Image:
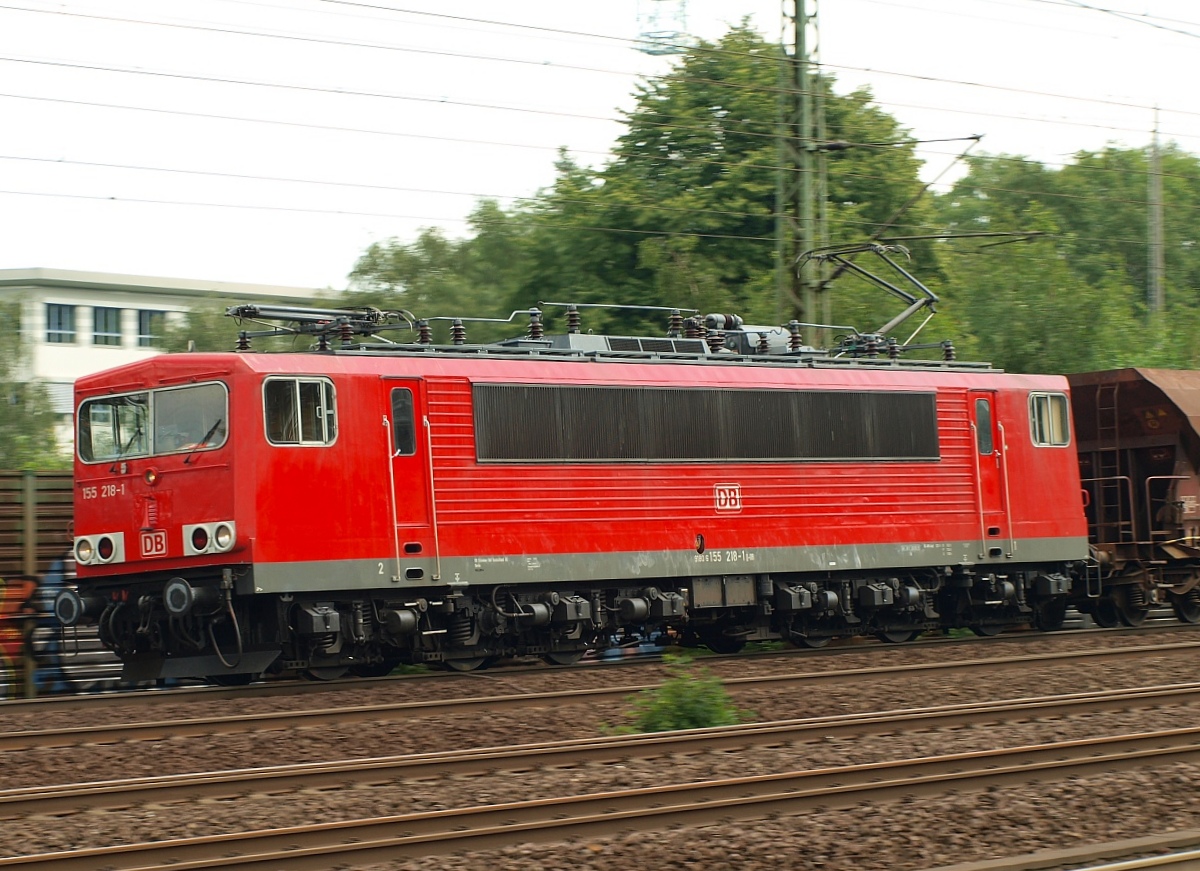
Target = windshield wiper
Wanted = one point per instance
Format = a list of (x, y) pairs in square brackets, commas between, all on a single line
[(136, 433), (203, 442)]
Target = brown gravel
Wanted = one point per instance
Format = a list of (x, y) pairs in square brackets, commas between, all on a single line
[(916, 834)]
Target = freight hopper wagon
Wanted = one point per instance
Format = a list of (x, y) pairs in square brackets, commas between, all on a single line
[(359, 505), (1138, 434)]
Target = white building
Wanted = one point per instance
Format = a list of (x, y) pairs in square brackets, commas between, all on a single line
[(76, 323)]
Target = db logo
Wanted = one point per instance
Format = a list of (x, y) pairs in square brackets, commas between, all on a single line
[(728, 497), (154, 542)]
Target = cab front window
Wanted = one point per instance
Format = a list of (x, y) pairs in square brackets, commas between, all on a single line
[(153, 422), (114, 427)]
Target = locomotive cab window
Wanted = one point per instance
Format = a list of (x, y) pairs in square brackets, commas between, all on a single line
[(983, 424), (1048, 420), (299, 411), (404, 431), (152, 423)]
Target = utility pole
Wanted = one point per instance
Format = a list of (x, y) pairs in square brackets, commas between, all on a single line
[(800, 190), (1156, 267)]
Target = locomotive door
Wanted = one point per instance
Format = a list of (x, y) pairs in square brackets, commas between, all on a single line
[(406, 438), (991, 474)]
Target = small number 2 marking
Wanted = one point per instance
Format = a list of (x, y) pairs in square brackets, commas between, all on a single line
[(381, 568)]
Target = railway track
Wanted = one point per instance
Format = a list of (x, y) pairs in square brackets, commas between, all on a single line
[(490, 827), (345, 715), (1176, 851), (110, 691), (561, 754)]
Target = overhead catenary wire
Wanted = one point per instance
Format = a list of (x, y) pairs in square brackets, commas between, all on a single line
[(667, 124), (770, 88)]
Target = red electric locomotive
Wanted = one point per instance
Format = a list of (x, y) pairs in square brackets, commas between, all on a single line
[(364, 504)]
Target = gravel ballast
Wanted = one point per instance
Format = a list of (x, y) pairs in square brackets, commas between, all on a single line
[(906, 834)]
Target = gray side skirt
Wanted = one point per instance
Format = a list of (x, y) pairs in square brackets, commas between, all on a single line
[(643, 566)]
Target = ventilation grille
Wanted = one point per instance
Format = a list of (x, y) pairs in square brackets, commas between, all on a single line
[(656, 346), (549, 423)]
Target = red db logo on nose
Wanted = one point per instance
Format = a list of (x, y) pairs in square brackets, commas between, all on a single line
[(154, 542)]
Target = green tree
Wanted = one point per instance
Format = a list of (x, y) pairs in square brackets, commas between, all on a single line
[(204, 328), (1075, 299), (27, 424), (683, 214), (437, 277)]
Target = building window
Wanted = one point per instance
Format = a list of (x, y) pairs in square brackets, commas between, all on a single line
[(106, 328), (150, 328), (60, 323), (1049, 420)]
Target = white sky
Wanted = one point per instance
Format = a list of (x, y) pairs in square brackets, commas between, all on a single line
[(134, 147)]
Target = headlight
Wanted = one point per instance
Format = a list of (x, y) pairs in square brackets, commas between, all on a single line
[(107, 547), (216, 537)]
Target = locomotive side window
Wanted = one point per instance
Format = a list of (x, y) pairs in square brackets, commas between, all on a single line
[(299, 411), (983, 423), (404, 431), (1049, 420)]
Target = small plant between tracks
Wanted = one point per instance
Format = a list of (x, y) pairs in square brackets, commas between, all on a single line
[(690, 698)]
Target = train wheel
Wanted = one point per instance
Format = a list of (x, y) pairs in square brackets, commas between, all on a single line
[(987, 630), (1187, 606), (719, 642), (328, 672), (375, 669), (1132, 616), (563, 657), (231, 680), (897, 636), (1106, 614), (811, 641), (1049, 615), (465, 664)]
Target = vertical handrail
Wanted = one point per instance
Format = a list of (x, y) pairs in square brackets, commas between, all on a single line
[(437, 550), (978, 490), (1012, 539), (1150, 530), (391, 452)]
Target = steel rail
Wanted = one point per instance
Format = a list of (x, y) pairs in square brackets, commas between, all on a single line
[(1179, 849), (283, 720), (385, 770), (321, 846)]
